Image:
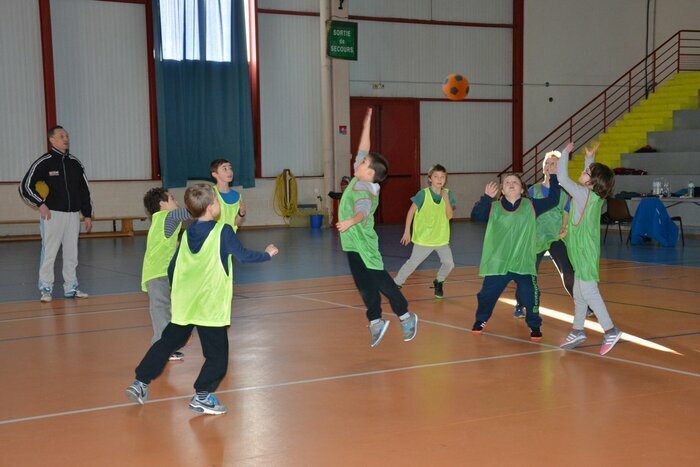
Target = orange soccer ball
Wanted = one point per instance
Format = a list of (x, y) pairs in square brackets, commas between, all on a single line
[(455, 87)]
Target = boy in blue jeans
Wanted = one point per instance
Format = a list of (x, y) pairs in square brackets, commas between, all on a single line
[(202, 289)]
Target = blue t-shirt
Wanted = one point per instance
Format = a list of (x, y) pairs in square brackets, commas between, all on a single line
[(420, 197), (231, 197)]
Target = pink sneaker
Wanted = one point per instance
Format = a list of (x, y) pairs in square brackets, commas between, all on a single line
[(610, 338)]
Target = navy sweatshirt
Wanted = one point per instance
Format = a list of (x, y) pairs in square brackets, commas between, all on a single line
[(482, 210), (198, 231)]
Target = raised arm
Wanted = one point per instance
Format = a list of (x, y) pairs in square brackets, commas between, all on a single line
[(542, 205), (482, 208), (575, 190), (364, 138)]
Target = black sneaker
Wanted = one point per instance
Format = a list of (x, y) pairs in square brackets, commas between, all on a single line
[(535, 334), (478, 327), (438, 288)]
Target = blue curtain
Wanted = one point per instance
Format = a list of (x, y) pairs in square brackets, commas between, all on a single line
[(204, 106)]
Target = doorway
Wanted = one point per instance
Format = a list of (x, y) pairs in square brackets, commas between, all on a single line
[(395, 134)]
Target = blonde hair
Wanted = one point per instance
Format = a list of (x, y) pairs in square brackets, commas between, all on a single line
[(198, 197), (548, 156)]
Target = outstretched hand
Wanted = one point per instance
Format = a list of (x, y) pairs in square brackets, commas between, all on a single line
[(590, 152), (491, 189), (271, 250), (569, 147)]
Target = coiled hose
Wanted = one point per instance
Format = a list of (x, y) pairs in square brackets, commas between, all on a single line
[(285, 203)]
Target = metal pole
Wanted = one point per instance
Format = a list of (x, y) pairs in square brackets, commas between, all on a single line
[(326, 102)]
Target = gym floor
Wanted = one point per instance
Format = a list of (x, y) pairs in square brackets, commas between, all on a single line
[(305, 388)]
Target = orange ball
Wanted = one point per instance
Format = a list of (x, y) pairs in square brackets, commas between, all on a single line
[(455, 87)]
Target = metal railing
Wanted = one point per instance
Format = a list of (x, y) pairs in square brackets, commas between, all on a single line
[(681, 52)]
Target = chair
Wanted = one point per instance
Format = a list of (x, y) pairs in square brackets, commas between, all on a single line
[(679, 219), (618, 213)]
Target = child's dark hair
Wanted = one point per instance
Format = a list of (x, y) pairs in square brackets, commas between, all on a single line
[(216, 163), (602, 180), (198, 197), (379, 165), (525, 193), (152, 199), (437, 168)]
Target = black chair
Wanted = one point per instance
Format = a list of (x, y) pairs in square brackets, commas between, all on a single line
[(679, 219), (618, 213)]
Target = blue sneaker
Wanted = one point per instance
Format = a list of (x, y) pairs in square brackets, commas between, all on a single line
[(519, 311), (75, 294), (210, 405), (377, 331), (410, 327), (137, 392)]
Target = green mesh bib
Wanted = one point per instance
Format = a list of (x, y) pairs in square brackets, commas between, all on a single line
[(360, 238), (228, 211), (159, 249), (430, 224), (202, 290), (549, 222), (509, 242), (583, 240)]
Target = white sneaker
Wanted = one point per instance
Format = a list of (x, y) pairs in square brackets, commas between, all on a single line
[(75, 294), (46, 295)]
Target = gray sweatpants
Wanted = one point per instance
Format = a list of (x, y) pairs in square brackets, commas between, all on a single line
[(586, 294), (159, 305), (419, 254), (61, 230)]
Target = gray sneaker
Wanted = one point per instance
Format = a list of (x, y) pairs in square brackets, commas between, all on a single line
[(377, 331), (210, 405), (573, 340), (410, 327), (137, 392), (610, 338), (75, 294), (46, 295)]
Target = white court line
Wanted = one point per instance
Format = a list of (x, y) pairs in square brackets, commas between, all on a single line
[(68, 315), (548, 348), (280, 385), (553, 347)]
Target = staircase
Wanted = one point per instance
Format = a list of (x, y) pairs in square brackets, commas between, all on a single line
[(648, 123), (639, 103)]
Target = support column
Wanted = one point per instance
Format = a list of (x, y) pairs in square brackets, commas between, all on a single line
[(326, 103)]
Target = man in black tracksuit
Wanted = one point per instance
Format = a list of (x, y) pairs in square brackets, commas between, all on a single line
[(68, 196)]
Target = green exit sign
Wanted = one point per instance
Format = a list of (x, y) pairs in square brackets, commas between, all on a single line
[(342, 40)]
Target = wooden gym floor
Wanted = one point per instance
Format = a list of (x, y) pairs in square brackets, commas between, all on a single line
[(305, 388)]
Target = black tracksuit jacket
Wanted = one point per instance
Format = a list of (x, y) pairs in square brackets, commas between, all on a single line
[(65, 176)]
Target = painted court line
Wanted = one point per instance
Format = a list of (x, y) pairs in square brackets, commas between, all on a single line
[(279, 385), (553, 347), (70, 315)]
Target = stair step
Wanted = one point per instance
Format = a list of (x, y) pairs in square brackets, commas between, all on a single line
[(675, 141)]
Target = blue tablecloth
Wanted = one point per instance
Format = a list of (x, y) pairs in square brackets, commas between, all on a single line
[(652, 221)]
